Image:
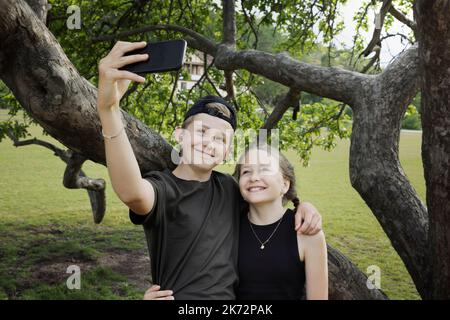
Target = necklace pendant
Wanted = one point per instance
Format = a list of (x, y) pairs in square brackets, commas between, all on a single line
[(262, 247)]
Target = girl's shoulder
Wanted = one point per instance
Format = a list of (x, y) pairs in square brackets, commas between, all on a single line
[(311, 242), (317, 238)]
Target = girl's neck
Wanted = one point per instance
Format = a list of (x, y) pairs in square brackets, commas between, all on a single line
[(266, 213), (189, 172)]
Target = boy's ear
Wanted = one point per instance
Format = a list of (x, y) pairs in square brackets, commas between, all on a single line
[(179, 132)]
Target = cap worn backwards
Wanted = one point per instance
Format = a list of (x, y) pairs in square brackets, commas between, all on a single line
[(200, 107)]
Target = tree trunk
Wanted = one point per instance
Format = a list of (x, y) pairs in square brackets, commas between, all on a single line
[(434, 50)]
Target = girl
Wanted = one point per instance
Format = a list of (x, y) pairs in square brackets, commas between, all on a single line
[(274, 262)]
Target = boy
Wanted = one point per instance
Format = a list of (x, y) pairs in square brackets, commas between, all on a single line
[(190, 215)]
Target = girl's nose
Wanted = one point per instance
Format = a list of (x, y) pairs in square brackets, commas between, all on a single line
[(255, 176)]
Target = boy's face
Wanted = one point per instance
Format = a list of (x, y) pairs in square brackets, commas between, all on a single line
[(206, 141)]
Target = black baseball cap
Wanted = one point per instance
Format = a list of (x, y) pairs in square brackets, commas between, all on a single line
[(200, 107)]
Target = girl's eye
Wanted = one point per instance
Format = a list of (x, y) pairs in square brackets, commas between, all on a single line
[(245, 172), (219, 139)]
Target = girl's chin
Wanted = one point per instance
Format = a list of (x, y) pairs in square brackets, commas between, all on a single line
[(255, 199)]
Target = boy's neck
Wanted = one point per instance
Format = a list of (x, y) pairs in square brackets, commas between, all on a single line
[(266, 213), (189, 172)]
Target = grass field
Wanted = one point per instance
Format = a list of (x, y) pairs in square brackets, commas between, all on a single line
[(45, 227)]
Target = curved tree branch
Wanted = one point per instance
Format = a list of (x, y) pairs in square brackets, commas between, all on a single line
[(74, 177), (291, 99), (195, 40), (378, 27), (375, 169), (403, 19), (57, 97), (333, 83)]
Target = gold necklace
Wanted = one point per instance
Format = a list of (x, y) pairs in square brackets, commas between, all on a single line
[(256, 236)]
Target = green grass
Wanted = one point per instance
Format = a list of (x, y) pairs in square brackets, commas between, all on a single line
[(45, 227)]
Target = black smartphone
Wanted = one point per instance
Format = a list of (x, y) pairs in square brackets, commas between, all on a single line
[(163, 56)]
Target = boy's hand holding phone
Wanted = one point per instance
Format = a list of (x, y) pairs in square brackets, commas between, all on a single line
[(127, 61), (112, 82)]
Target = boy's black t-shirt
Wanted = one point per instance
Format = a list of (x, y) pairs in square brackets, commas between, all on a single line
[(192, 235)]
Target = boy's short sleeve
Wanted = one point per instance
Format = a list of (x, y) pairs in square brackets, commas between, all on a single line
[(154, 215)]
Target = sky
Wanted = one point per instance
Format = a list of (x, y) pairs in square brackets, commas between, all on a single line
[(391, 47)]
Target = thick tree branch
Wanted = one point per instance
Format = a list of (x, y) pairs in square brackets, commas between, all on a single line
[(195, 40), (229, 23), (375, 169), (40, 8), (333, 83), (346, 281), (400, 78), (51, 91)]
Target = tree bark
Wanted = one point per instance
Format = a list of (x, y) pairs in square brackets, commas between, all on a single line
[(375, 170), (434, 50), (47, 85), (346, 281)]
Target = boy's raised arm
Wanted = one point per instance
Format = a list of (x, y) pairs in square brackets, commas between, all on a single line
[(123, 169)]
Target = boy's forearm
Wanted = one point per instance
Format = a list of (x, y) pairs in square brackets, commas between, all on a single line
[(122, 165)]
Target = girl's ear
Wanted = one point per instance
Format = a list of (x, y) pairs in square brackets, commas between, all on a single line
[(286, 185)]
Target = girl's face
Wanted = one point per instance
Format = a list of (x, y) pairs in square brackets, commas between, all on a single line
[(261, 180)]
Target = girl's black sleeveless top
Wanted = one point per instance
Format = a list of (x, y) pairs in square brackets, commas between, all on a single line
[(275, 272)]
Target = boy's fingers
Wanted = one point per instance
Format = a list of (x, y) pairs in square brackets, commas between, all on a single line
[(315, 226), (166, 298), (122, 74), (153, 288), (129, 46), (164, 293), (123, 61), (158, 295), (305, 225), (298, 220)]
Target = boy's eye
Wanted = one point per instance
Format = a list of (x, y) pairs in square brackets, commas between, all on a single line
[(219, 138), (245, 172)]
